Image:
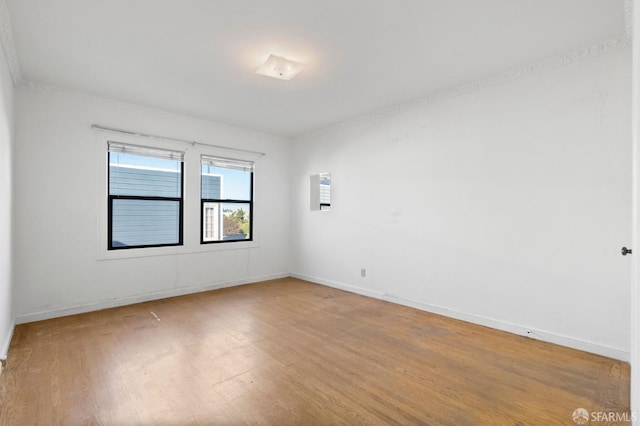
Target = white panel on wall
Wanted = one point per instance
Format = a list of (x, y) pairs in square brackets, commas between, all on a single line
[(505, 206), (57, 270), (6, 189)]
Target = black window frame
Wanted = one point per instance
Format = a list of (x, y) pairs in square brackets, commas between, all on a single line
[(226, 201), (111, 198)]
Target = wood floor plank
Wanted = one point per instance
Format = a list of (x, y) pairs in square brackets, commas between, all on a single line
[(290, 352)]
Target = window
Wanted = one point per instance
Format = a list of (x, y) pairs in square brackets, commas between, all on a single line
[(226, 199), (325, 191), (145, 196), (320, 192)]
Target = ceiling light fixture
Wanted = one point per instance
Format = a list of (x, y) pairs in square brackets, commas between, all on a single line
[(280, 68)]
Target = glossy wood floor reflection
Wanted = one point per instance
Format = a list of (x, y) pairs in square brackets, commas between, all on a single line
[(290, 352)]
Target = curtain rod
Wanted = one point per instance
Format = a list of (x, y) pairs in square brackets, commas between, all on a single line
[(192, 143)]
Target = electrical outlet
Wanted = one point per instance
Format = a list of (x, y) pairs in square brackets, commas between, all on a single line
[(363, 273)]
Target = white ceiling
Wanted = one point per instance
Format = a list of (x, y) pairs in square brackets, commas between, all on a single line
[(198, 57)]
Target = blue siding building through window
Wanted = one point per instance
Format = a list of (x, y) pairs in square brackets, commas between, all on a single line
[(144, 222)]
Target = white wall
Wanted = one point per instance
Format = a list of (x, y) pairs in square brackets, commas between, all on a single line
[(635, 276), (506, 206), (57, 270), (6, 167)]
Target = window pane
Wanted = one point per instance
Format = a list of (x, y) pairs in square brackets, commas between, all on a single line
[(223, 183), (144, 176), (145, 222), (226, 221), (211, 186)]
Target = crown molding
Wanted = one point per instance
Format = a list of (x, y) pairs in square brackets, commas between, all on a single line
[(8, 46), (507, 76), (628, 18)]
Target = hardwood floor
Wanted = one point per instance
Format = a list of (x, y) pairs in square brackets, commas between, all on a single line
[(291, 352)]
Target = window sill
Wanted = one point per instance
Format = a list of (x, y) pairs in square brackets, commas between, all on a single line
[(104, 254)]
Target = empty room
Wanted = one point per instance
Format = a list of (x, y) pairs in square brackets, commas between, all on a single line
[(228, 212)]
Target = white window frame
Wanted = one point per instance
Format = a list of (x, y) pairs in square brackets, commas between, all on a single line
[(191, 197)]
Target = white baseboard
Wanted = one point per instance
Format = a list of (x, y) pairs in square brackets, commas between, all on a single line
[(105, 304), (545, 336), (6, 342)]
